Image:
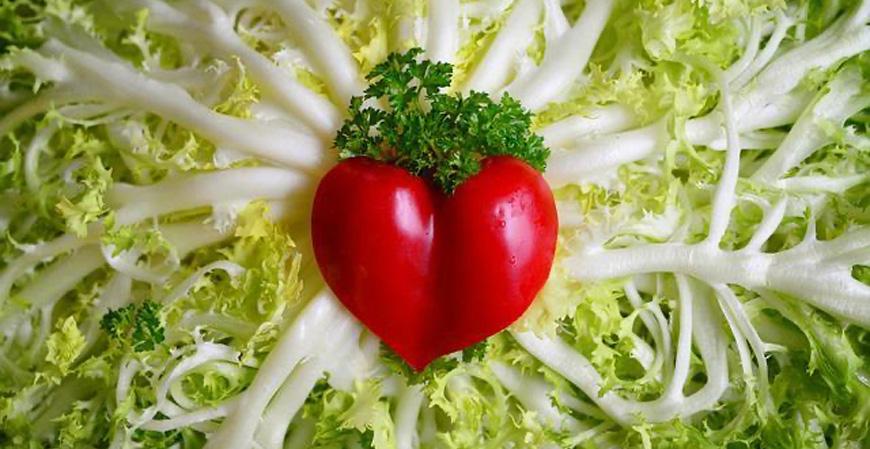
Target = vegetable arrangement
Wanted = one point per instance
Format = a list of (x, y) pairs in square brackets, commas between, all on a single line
[(432, 270), (709, 159)]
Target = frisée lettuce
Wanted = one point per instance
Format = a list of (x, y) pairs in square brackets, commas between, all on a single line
[(709, 158)]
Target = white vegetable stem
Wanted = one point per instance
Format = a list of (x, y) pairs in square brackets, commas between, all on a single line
[(555, 22), (189, 236), (819, 184), (783, 23), (494, 69), (770, 101), (322, 319), (60, 277), (287, 402), (35, 254), (592, 157), (330, 56), (442, 35), (772, 218), (655, 321), (534, 393), (120, 83), (848, 37), (586, 149), (811, 270), (674, 390), (748, 56), (216, 35), (205, 352), (115, 295), (45, 100), (766, 104), (565, 61), (407, 410), (733, 306), (773, 112), (724, 196), (136, 203), (127, 262), (190, 418), (37, 145), (709, 339), (601, 120), (181, 290), (51, 283), (846, 95)]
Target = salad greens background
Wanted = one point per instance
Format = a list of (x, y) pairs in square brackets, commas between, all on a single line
[(709, 157)]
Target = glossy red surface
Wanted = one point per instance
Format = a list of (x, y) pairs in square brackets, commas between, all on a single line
[(431, 274)]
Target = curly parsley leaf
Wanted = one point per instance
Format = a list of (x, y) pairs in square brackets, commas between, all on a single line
[(430, 133), (136, 325)]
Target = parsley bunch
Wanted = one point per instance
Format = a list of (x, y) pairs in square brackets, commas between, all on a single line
[(136, 325), (432, 134)]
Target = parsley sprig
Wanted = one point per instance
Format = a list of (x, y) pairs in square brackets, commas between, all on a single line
[(430, 133), (136, 325)]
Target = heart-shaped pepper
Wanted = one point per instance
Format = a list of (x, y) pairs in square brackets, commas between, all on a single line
[(430, 273)]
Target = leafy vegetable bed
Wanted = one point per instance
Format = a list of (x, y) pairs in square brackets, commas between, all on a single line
[(709, 160)]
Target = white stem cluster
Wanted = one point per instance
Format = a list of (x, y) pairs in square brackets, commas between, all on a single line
[(708, 338), (321, 329), (494, 70), (122, 84), (770, 97), (816, 271), (178, 193), (565, 60), (324, 47), (217, 36), (845, 95)]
